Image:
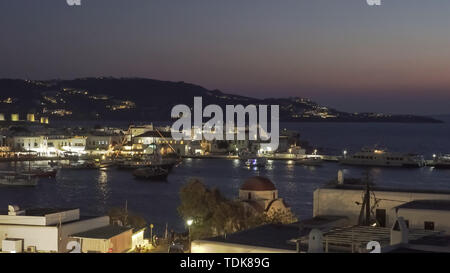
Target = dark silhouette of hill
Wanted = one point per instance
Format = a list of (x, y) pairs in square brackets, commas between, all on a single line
[(147, 99)]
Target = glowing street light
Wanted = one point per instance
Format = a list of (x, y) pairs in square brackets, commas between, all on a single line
[(189, 223)]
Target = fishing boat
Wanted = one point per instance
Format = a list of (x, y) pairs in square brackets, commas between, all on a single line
[(442, 162), (85, 165), (15, 179), (136, 163), (256, 162), (44, 173), (151, 173), (310, 161), (383, 158)]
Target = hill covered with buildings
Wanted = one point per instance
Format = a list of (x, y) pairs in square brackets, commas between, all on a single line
[(133, 99)]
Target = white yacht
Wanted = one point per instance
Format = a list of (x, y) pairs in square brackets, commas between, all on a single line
[(383, 158), (442, 162)]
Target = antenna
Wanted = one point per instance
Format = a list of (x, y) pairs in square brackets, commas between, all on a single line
[(364, 215)]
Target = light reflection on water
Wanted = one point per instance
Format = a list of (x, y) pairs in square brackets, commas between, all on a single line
[(96, 191)]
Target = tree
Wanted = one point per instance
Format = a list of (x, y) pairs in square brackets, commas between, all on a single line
[(213, 214), (126, 218)]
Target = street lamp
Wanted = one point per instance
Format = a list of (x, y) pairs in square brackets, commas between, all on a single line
[(345, 153), (189, 223), (151, 233)]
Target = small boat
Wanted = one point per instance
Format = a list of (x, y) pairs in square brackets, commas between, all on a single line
[(79, 166), (132, 164), (44, 173), (151, 173), (310, 161), (15, 179), (442, 162), (256, 162)]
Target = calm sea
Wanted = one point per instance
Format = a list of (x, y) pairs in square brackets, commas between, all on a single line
[(96, 191)]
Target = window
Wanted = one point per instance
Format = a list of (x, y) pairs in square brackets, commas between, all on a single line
[(428, 225), (249, 195)]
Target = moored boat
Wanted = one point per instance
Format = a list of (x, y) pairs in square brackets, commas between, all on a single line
[(442, 162), (310, 161), (383, 158), (15, 179), (136, 163), (151, 173), (44, 173), (256, 162)]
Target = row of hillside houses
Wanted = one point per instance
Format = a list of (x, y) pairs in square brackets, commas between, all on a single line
[(145, 139)]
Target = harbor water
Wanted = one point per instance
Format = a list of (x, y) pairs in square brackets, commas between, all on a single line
[(97, 191)]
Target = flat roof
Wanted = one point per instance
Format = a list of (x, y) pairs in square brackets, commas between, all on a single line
[(39, 211), (45, 211), (279, 236), (427, 205), (385, 189), (105, 232), (318, 221), (270, 236)]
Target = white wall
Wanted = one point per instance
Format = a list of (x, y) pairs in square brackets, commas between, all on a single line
[(79, 226), (342, 202), (22, 220), (417, 218), (45, 238), (64, 216)]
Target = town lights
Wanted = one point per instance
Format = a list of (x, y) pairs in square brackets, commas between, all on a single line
[(189, 222)]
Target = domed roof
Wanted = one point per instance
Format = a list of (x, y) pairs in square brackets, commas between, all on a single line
[(258, 183)]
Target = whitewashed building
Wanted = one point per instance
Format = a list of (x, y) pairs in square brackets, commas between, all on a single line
[(386, 203), (44, 229)]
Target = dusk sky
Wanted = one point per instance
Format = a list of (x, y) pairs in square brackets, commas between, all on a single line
[(345, 54)]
